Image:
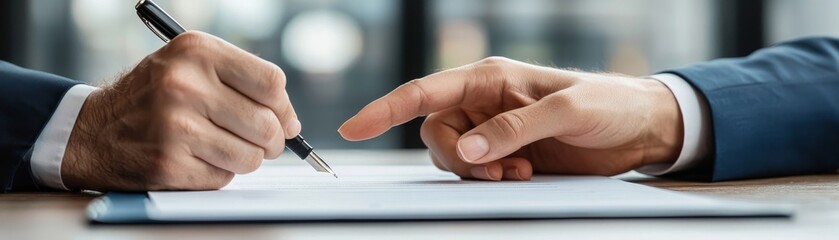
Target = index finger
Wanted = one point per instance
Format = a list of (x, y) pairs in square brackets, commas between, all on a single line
[(421, 97)]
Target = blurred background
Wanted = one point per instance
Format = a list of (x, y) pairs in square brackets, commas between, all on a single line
[(340, 55)]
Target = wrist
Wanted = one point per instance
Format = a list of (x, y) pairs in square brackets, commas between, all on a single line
[(79, 155), (663, 142)]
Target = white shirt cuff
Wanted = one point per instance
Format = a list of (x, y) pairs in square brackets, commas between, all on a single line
[(697, 126), (48, 150)]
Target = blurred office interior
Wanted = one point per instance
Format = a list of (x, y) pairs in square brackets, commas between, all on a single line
[(340, 55)]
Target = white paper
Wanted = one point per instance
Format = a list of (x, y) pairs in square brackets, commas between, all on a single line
[(423, 192)]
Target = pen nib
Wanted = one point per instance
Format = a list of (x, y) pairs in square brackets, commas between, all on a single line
[(318, 164)]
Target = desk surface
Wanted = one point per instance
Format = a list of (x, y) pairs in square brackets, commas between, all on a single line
[(61, 215)]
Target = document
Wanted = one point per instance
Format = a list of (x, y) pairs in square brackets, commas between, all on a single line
[(294, 193)]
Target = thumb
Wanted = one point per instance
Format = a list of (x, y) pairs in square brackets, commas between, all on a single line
[(507, 132)]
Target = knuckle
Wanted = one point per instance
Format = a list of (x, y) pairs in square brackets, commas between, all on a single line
[(276, 74), (575, 78), (222, 179), (174, 86), (494, 60), (273, 85), (491, 68), (178, 124), (268, 125), (510, 124), (251, 163), (228, 154), (415, 92), (191, 42), (413, 82), (214, 179), (558, 100), (193, 47), (566, 104), (576, 118), (154, 61), (416, 89)]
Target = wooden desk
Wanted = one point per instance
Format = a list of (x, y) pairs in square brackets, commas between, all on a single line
[(62, 216)]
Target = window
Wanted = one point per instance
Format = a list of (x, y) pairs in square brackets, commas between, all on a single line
[(636, 37), (340, 55), (337, 55)]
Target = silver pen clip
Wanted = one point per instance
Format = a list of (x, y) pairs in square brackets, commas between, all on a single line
[(153, 29)]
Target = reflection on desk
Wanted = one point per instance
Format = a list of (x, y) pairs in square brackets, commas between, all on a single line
[(61, 215)]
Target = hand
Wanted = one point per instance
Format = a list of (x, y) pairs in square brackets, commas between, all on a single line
[(188, 116), (502, 119)]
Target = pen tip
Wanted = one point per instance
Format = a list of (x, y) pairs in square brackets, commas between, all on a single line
[(335, 175)]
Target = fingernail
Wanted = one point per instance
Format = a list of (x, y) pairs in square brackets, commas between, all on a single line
[(513, 173), (480, 172), (342, 125), (341, 129), (293, 127), (473, 147)]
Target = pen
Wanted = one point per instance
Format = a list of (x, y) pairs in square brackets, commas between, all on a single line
[(166, 28)]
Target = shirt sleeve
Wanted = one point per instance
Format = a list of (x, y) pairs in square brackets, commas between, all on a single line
[(48, 150), (697, 128)]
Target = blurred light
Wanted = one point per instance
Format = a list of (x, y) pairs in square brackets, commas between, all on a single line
[(461, 42), (322, 41), (628, 58), (99, 21), (255, 19), (531, 50), (195, 14)]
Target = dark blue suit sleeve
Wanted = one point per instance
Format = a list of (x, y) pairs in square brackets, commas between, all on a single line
[(774, 113), (27, 100)]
